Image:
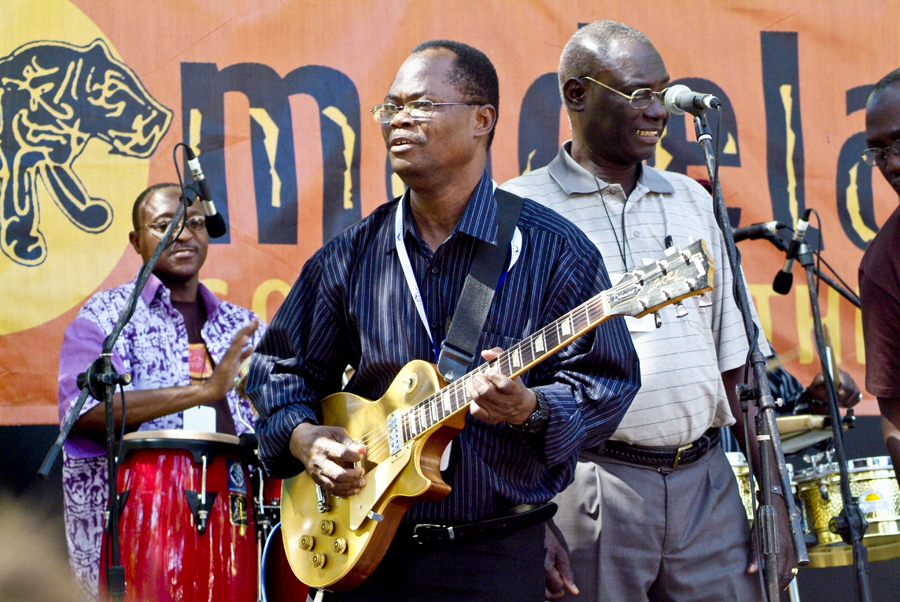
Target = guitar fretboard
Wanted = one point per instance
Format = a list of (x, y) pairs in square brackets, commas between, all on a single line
[(512, 362)]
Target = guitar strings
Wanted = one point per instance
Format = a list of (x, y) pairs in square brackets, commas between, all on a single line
[(376, 440)]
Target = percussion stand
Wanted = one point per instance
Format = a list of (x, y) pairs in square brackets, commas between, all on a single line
[(767, 436), (851, 524), (100, 382)]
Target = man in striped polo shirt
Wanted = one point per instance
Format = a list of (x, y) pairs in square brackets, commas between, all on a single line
[(673, 527)]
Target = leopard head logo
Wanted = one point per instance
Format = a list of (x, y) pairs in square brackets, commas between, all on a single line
[(55, 97)]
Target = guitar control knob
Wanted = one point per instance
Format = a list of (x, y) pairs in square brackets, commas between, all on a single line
[(327, 527), (339, 545), (307, 542), (318, 559)]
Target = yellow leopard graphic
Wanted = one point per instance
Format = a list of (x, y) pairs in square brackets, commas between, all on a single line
[(55, 97)]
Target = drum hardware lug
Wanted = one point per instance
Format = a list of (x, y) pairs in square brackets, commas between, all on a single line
[(823, 491), (200, 513)]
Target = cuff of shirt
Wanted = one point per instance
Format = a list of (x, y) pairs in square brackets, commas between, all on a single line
[(274, 436)]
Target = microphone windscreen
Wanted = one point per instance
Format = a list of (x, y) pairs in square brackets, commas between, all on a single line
[(782, 283), (215, 225)]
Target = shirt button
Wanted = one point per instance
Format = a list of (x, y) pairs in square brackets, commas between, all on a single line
[(434, 324), (435, 270), (636, 234)]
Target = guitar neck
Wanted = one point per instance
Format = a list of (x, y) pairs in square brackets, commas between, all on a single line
[(512, 362), (679, 275)]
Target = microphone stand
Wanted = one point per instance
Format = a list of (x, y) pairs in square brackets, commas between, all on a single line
[(767, 436), (851, 524), (100, 382)]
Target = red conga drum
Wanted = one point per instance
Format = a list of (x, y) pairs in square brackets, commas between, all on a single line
[(186, 529)]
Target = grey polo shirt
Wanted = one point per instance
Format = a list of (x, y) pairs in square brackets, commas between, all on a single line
[(682, 394)]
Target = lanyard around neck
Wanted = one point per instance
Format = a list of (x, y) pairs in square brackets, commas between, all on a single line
[(413, 286)]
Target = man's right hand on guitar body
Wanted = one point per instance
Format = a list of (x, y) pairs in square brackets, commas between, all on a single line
[(329, 455)]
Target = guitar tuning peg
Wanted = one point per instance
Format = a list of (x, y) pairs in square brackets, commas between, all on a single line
[(657, 319), (704, 301), (680, 310)]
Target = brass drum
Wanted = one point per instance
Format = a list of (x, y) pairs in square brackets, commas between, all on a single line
[(873, 483), (742, 474)]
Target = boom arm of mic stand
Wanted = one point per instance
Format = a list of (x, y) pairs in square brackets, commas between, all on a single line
[(766, 401), (843, 292), (852, 524)]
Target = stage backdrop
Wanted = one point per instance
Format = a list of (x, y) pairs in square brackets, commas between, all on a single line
[(274, 97)]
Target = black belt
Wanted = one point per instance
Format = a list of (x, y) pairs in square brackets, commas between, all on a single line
[(512, 520), (661, 457)]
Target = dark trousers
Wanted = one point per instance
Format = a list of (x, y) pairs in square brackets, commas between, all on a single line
[(492, 568)]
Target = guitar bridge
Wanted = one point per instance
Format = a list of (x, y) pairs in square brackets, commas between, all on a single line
[(322, 499), (395, 436)]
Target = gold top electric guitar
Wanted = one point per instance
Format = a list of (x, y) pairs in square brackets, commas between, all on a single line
[(335, 543)]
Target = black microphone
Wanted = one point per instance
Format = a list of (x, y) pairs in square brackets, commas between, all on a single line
[(215, 223), (785, 278), (680, 98), (754, 231)]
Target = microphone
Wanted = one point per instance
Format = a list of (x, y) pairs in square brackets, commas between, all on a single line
[(785, 278), (754, 231), (215, 223), (680, 98)]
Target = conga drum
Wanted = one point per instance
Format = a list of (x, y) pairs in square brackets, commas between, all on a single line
[(186, 528)]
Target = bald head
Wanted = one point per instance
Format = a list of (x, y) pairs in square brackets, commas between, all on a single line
[(594, 47)]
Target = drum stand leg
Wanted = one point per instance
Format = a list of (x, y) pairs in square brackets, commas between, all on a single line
[(794, 590)]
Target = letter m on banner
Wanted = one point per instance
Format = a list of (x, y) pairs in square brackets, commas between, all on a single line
[(203, 87)]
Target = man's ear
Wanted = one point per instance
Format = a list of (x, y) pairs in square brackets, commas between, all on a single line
[(135, 239), (573, 92), (485, 120)]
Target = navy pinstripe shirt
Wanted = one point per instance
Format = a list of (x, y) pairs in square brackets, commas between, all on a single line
[(351, 306)]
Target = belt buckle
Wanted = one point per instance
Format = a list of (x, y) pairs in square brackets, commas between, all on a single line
[(681, 449), (430, 533)]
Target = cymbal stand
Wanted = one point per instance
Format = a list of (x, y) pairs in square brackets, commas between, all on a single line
[(851, 524), (766, 430)]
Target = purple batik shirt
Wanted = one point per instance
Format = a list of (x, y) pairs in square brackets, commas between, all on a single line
[(153, 349)]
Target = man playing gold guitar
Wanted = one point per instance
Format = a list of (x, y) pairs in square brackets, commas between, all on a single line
[(380, 296)]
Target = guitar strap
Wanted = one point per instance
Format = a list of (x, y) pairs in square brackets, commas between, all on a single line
[(478, 291)]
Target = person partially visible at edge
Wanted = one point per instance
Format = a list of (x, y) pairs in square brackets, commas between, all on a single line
[(182, 348), (879, 272), (654, 513), (353, 305)]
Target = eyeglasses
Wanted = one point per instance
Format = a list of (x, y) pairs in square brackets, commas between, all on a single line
[(879, 156), (417, 109), (158, 228), (639, 99)]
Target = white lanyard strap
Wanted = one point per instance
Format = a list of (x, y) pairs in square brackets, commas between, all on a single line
[(413, 286)]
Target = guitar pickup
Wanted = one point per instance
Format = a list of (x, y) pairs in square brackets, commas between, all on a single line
[(395, 436)]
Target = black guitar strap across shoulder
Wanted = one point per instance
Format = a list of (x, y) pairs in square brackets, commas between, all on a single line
[(478, 291)]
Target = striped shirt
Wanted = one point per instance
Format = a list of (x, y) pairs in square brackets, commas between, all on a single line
[(351, 306), (682, 393)]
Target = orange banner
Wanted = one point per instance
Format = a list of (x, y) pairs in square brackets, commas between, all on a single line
[(275, 98)]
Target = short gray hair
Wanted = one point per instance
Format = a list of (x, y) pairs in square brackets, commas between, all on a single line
[(590, 44)]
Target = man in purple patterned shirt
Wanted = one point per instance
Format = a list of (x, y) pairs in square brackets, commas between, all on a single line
[(182, 348)]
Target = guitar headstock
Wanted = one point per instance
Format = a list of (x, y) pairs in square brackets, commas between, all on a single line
[(679, 275)]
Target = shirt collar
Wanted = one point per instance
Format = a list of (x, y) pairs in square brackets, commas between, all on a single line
[(574, 179), (155, 288), (479, 218)]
